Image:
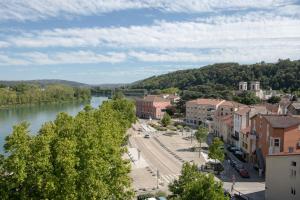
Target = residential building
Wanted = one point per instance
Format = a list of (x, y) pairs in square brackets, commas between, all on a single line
[(283, 176), (223, 119), (241, 122), (201, 111), (151, 106), (272, 134), (294, 108), (225, 127)]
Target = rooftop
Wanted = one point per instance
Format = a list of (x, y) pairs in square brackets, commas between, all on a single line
[(282, 121), (296, 105), (153, 98), (207, 101)]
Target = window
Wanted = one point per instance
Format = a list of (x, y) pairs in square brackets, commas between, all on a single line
[(276, 142), (291, 149), (293, 191), (293, 163)]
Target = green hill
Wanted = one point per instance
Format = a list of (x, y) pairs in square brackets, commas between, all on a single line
[(219, 80)]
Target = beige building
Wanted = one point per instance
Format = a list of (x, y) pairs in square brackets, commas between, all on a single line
[(283, 176), (202, 111), (223, 119)]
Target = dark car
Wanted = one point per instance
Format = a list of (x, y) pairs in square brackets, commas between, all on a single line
[(238, 167), (244, 173), (147, 136), (233, 163)]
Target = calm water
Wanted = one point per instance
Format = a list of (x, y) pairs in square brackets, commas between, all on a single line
[(36, 115)]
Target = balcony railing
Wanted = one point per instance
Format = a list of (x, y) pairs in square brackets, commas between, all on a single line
[(236, 137)]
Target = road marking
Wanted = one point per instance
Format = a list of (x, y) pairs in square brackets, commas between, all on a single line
[(169, 178)]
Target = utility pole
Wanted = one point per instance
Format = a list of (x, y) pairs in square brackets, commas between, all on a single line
[(157, 175), (139, 154)]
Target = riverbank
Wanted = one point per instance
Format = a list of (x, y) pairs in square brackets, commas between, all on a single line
[(45, 103)]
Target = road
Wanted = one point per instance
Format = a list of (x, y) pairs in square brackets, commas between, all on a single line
[(165, 152), (161, 152)]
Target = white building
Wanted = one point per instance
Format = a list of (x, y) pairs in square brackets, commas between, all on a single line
[(283, 176)]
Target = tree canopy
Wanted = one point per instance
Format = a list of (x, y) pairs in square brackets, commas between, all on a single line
[(166, 120), (216, 150), (194, 185), (71, 157), (219, 80), (30, 94)]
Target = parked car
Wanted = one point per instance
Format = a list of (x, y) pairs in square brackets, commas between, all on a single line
[(233, 149), (147, 136), (239, 155), (233, 163), (244, 173), (238, 167)]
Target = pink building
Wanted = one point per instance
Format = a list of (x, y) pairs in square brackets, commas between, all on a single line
[(151, 106)]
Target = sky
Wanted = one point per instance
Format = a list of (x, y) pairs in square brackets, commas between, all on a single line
[(121, 41)]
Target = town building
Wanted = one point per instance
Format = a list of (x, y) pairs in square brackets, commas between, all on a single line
[(201, 111), (223, 119), (152, 106), (273, 134), (294, 108), (283, 176), (241, 123)]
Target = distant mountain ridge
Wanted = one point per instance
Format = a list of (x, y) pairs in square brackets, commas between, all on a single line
[(284, 74), (45, 82)]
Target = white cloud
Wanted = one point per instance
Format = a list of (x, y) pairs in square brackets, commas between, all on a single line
[(23, 10), (74, 57), (3, 44), (253, 29)]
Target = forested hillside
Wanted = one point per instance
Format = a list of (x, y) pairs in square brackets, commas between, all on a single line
[(30, 94), (219, 80)]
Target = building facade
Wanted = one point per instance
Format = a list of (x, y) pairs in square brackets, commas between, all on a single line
[(202, 111), (273, 134), (283, 176), (152, 107)]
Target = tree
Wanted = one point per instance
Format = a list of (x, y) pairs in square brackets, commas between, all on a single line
[(201, 136), (247, 97), (216, 150), (194, 185), (274, 100), (166, 120), (171, 110), (71, 158)]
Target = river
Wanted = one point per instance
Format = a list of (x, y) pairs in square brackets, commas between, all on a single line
[(37, 115)]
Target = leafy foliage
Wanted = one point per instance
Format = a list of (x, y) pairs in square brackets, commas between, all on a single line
[(194, 185), (166, 120), (219, 80), (274, 100), (247, 97), (216, 150), (72, 157), (201, 135), (30, 94)]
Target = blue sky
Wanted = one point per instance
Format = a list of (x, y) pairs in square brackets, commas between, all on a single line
[(121, 41)]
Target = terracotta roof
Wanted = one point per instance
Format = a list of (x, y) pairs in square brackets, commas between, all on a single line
[(246, 130), (243, 110), (227, 120), (206, 101), (232, 104), (272, 107), (153, 98), (282, 121), (285, 154)]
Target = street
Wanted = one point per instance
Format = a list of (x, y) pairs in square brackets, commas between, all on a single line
[(163, 154)]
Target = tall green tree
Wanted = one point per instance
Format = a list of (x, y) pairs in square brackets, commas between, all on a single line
[(216, 150), (194, 185), (77, 157), (201, 136), (166, 120)]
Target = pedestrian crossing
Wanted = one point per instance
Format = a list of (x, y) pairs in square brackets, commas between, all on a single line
[(169, 178)]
